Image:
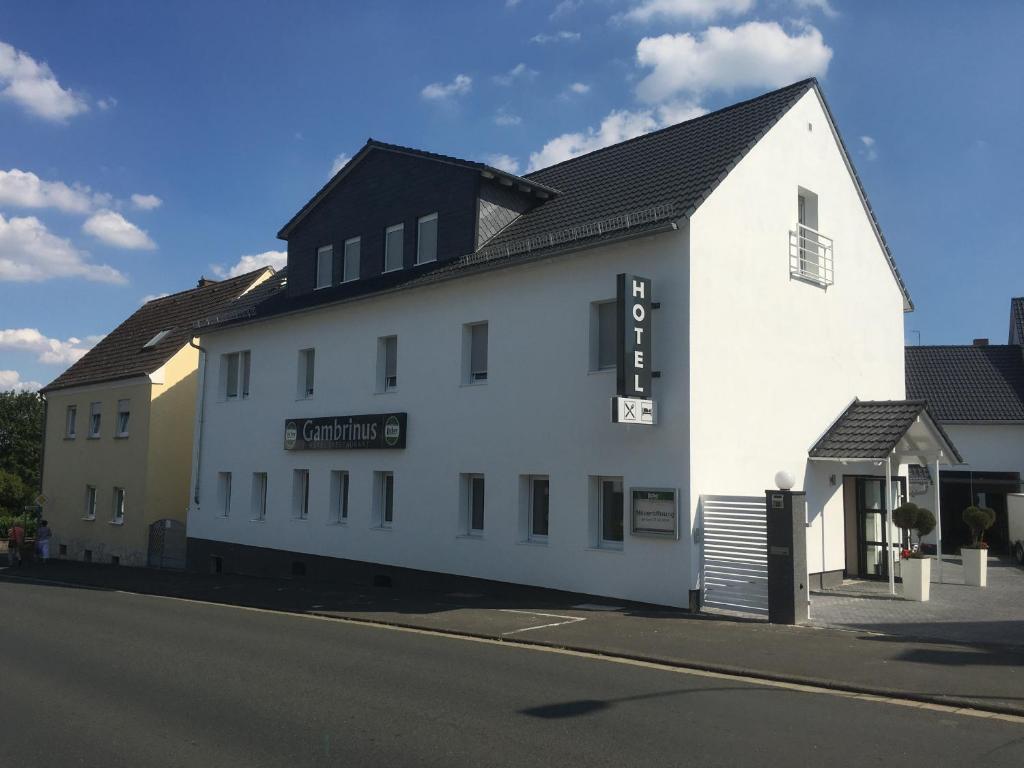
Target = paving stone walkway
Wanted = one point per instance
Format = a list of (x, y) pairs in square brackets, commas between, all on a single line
[(956, 612)]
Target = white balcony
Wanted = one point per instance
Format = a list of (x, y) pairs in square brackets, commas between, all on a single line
[(810, 256)]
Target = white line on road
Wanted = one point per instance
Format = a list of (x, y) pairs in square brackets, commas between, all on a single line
[(569, 620)]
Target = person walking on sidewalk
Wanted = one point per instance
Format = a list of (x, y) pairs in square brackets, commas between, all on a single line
[(43, 534), (15, 540)]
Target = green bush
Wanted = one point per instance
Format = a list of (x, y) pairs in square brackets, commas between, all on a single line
[(905, 516), (979, 520), (925, 523)]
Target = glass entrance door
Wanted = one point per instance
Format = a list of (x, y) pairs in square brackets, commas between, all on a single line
[(872, 541)]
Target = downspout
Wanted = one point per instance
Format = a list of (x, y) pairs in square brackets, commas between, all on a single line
[(42, 450), (201, 417)]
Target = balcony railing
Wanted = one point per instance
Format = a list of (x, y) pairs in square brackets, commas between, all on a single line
[(810, 256)]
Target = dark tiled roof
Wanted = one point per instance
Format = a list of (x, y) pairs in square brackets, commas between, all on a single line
[(871, 429), (120, 355), (1017, 320), (968, 383), (920, 474)]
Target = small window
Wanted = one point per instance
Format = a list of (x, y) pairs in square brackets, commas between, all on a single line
[(230, 364), (244, 364), (393, 245), (70, 422), (387, 363), (609, 511), (118, 516), (90, 502), (235, 374), (475, 353), (259, 495), (95, 414), (300, 494), (539, 507), (473, 511), (426, 239), (604, 336), (307, 363), (351, 267), (157, 339), (339, 497), (384, 499), (123, 415), (224, 493), (324, 266)]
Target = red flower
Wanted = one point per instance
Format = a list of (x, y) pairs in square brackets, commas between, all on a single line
[(905, 554)]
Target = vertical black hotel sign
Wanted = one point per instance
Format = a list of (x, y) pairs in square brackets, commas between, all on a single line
[(633, 366)]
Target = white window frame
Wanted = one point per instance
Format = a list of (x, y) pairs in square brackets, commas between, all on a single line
[(401, 251), (469, 481), (321, 252), (71, 422), (258, 501), (124, 408), (386, 383), (596, 365), (117, 516), (90, 502), (382, 516), (300, 494), (339, 496), (531, 535), (157, 339), (95, 419), (306, 382), (347, 275), (430, 217), (471, 372), (240, 363), (224, 493)]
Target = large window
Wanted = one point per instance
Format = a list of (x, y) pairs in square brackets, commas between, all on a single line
[(300, 494), (124, 413), (350, 270), (90, 502), (224, 493), (387, 363), (307, 363), (235, 375), (393, 247), (95, 417), (603, 336), (384, 499), (339, 496), (472, 504), (324, 266), (118, 514), (474, 351), (259, 496), (426, 239), (609, 511), (70, 422), (539, 486)]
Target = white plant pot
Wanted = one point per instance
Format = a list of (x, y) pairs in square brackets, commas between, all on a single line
[(975, 566), (917, 578)]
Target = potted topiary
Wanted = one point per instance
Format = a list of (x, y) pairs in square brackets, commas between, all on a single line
[(975, 557), (915, 567)]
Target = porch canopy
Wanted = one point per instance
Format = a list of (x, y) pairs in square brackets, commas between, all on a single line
[(889, 432)]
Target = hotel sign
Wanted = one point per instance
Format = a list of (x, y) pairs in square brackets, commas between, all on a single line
[(633, 404), (654, 512), (367, 431)]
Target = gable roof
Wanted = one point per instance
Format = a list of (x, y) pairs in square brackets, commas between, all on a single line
[(123, 354), (871, 429), (968, 383), (1017, 320)]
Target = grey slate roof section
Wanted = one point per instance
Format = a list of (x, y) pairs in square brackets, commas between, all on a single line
[(967, 383), (870, 429), (121, 354), (920, 474), (1017, 320)]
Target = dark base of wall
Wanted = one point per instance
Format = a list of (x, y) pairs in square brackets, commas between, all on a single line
[(209, 556), (826, 579)]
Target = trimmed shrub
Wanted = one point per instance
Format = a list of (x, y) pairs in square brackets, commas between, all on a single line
[(979, 520)]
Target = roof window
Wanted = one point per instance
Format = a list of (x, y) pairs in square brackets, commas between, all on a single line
[(157, 339)]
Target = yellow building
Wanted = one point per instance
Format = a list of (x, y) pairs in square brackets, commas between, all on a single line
[(119, 427)]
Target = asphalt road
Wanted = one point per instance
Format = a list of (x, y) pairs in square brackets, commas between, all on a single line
[(99, 678)]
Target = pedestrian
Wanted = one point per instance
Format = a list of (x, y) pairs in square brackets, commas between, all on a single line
[(16, 538), (43, 534)]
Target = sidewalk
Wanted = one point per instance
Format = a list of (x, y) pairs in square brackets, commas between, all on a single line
[(987, 677)]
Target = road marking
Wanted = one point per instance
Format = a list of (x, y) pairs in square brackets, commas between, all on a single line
[(569, 620), (951, 709)]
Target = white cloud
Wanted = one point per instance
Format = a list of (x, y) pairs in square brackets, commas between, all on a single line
[(275, 259), (503, 162), (870, 151), (12, 380), (114, 229), (504, 118), (822, 5), (146, 202), (47, 350), (108, 103), (26, 190), (151, 297), (692, 10), (340, 161), (579, 88), (679, 111), (511, 3), (457, 87), (517, 72), (29, 252), (32, 85), (753, 54), (565, 8), (557, 37), (617, 126)]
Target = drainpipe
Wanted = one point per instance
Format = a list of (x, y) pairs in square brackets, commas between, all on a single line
[(201, 419), (42, 450)]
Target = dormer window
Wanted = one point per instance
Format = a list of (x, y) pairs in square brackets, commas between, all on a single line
[(157, 339), (324, 265), (393, 243), (351, 267), (426, 239)]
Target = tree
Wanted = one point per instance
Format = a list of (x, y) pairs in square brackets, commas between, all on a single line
[(21, 436), (14, 494)]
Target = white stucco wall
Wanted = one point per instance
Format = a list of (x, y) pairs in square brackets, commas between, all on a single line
[(540, 412), (774, 361), (988, 447)]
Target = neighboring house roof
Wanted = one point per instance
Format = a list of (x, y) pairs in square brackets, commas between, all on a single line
[(871, 429), (123, 353), (1017, 320), (968, 383)]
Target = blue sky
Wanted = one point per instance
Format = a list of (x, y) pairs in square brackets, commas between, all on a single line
[(145, 144)]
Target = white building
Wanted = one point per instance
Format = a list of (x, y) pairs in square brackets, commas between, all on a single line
[(478, 308)]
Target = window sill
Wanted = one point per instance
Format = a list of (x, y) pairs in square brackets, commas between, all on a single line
[(386, 391), (93, 437), (338, 523), (300, 519), (596, 371), (303, 398), (89, 519), (471, 536), (116, 522), (387, 528), (533, 542), (393, 269), (69, 438), (257, 520), (121, 437), (474, 383), (613, 548), (350, 280)]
